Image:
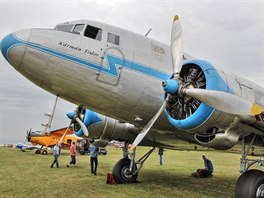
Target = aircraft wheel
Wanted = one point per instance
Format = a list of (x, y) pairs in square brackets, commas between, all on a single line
[(121, 172), (37, 152), (44, 152), (250, 184)]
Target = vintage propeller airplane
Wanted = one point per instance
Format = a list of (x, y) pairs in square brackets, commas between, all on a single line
[(118, 74), (50, 139)]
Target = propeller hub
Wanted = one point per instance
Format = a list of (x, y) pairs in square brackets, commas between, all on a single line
[(170, 86), (70, 115)]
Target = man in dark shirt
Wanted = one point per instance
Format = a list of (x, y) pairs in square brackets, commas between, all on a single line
[(161, 155)]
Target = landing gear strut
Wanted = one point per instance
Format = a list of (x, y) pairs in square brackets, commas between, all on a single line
[(251, 182), (126, 170)]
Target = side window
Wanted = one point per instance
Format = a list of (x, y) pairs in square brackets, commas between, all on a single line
[(78, 28), (65, 28), (112, 38), (93, 32)]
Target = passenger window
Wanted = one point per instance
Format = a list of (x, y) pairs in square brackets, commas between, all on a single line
[(65, 28), (112, 38), (93, 32), (78, 28)]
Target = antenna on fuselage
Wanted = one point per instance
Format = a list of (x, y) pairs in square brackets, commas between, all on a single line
[(148, 32), (48, 125)]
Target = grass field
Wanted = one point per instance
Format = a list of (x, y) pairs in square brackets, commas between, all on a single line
[(25, 174)]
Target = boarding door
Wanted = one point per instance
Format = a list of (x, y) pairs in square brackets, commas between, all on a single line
[(112, 60)]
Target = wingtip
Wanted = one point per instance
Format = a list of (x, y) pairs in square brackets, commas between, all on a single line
[(256, 109)]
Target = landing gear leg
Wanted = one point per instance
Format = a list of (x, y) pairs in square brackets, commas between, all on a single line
[(125, 149), (251, 182), (126, 170)]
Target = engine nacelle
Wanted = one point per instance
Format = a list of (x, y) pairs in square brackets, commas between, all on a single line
[(225, 139), (189, 114), (103, 128)]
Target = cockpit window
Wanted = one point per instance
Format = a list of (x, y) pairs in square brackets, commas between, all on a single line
[(78, 28), (65, 28), (112, 38), (93, 32)]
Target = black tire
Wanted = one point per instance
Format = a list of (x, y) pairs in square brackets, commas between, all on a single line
[(120, 172), (38, 152), (250, 184), (44, 152)]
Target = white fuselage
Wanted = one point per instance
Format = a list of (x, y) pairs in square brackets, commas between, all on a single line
[(118, 75)]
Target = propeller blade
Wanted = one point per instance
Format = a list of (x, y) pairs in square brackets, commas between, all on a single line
[(28, 135), (169, 87), (85, 131), (62, 137), (176, 45), (225, 102), (146, 129)]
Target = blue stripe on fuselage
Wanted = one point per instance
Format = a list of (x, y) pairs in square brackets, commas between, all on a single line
[(10, 41), (113, 61)]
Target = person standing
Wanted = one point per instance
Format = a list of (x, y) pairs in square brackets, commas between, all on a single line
[(72, 154), (93, 158), (56, 154), (161, 150)]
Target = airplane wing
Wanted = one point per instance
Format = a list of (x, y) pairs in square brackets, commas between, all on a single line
[(61, 131)]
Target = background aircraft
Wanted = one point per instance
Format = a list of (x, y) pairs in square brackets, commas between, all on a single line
[(50, 139), (118, 73), (25, 147)]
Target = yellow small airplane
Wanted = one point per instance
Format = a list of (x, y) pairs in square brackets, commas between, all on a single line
[(49, 139)]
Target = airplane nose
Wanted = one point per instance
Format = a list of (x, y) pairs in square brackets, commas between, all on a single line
[(13, 47)]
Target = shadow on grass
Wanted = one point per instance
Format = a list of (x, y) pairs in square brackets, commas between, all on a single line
[(167, 182)]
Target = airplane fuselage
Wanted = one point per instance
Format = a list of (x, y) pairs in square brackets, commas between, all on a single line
[(118, 73)]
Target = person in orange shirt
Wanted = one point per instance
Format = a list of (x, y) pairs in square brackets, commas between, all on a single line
[(72, 154)]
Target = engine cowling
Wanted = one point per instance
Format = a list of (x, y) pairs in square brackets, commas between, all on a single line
[(88, 118), (188, 113)]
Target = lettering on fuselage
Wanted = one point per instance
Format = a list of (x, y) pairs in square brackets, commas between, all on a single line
[(90, 52), (76, 48)]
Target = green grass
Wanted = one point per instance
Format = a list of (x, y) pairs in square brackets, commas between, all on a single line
[(25, 174)]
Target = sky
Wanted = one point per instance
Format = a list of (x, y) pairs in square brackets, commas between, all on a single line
[(228, 34)]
